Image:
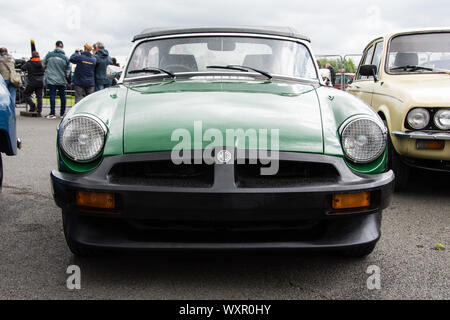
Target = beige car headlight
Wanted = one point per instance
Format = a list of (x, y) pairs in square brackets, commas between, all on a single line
[(363, 139), (82, 138), (418, 118), (442, 119)]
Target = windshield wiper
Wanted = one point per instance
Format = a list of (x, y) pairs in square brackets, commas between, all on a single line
[(412, 68), (241, 68), (153, 70)]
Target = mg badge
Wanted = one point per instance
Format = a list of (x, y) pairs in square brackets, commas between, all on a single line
[(223, 156)]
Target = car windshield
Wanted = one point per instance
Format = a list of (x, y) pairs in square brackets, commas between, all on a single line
[(427, 52), (271, 57)]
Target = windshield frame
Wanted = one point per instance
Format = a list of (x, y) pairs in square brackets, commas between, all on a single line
[(222, 72), (388, 48)]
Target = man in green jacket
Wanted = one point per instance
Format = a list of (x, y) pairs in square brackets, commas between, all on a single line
[(103, 61), (57, 72)]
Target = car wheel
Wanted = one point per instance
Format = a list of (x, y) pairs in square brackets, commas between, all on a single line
[(360, 251), (78, 249), (396, 164), (1, 172)]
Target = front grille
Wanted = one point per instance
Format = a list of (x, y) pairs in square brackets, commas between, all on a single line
[(290, 174), (162, 173), (165, 173)]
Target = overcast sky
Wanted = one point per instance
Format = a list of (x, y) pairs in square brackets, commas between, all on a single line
[(334, 26)]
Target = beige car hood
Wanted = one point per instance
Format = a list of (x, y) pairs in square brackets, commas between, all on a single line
[(421, 89)]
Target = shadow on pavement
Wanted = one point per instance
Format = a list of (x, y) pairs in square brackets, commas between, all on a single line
[(428, 182)]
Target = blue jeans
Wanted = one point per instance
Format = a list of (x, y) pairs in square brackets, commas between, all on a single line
[(62, 95), (99, 87), (12, 92)]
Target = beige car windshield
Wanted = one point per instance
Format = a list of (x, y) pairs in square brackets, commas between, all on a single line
[(425, 52)]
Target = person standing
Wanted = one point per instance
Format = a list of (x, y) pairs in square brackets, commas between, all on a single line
[(103, 61), (116, 64), (57, 72), (7, 63), (332, 73), (84, 76), (35, 84)]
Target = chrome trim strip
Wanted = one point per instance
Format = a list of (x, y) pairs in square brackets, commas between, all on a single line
[(227, 34), (62, 126), (363, 117), (355, 118), (422, 135)]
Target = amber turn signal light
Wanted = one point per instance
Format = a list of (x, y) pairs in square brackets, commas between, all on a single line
[(95, 200), (430, 144), (351, 200)]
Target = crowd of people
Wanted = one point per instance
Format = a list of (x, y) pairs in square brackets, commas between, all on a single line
[(54, 71)]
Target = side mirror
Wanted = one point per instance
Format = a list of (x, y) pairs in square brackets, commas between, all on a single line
[(369, 70), (114, 72)]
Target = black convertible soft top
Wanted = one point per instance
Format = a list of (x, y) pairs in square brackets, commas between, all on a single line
[(274, 31)]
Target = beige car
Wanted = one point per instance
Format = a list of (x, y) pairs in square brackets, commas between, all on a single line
[(405, 77)]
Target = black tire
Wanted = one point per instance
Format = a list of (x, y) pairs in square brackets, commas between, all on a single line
[(396, 164), (359, 251), (76, 248), (1, 172), (400, 169)]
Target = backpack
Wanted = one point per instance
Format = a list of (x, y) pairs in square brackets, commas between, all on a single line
[(14, 77)]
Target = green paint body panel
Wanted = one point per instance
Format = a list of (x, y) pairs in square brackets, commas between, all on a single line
[(153, 115), (141, 117)]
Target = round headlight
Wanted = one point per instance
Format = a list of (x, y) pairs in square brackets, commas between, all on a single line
[(418, 118), (82, 138), (363, 140), (442, 119)]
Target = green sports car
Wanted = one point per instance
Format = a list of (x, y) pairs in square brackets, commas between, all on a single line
[(221, 138)]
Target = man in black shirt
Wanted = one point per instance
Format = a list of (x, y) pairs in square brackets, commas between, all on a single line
[(35, 83), (332, 73)]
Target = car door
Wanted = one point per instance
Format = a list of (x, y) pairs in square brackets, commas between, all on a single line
[(362, 87)]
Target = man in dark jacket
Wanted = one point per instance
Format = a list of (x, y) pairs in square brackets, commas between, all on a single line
[(332, 72), (84, 76), (57, 71), (35, 84), (103, 61)]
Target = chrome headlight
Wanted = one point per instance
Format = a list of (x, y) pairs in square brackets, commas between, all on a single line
[(363, 139), (442, 119), (418, 118), (82, 138)]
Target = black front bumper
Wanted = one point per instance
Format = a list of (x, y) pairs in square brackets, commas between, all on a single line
[(425, 164), (223, 216)]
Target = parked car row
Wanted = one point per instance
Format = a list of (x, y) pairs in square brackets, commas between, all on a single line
[(342, 81)]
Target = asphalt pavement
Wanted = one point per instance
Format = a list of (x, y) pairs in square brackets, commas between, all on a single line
[(34, 257)]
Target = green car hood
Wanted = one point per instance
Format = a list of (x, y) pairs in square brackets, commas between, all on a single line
[(154, 111)]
